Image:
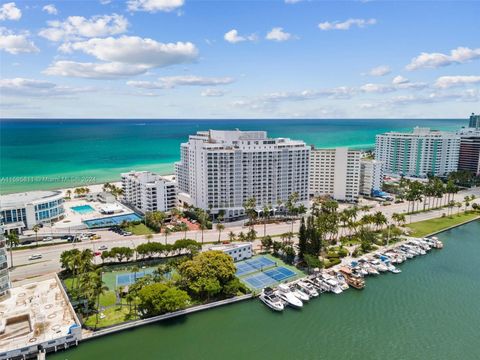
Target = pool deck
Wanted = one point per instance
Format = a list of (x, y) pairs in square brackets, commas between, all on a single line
[(74, 220)]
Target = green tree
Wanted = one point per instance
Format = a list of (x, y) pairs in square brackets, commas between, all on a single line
[(267, 242), (250, 209), (35, 229), (207, 273), (312, 261), (12, 242), (302, 239), (159, 298), (220, 227)]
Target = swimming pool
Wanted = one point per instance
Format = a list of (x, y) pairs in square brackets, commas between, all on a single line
[(111, 221), (82, 209)]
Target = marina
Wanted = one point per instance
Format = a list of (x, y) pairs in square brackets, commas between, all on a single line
[(342, 277), (350, 326)]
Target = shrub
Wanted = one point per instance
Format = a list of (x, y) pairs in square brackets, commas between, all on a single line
[(332, 254), (342, 252), (332, 262)]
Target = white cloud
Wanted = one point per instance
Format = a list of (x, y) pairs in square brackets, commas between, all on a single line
[(377, 88), (277, 34), (78, 27), (105, 2), (152, 6), (453, 81), (33, 87), (136, 50), (51, 9), (434, 60), (212, 93), (292, 1), (380, 70), (397, 80), (347, 24), (170, 82), (16, 43), (233, 37), (9, 11), (111, 70)]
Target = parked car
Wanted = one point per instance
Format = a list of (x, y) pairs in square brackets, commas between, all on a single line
[(126, 233), (35, 257), (103, 247), (48, 238), (97, 253)]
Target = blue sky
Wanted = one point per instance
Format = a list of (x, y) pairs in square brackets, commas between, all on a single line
[(239, 59)]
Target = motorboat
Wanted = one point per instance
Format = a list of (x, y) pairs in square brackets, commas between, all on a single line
[(269, 298), (364, 264), (284, 293), (416, 247), (392, 268), (308, 288), (298, 292), (357, 283), (409, 250), (354, 265), (377, 264), (333, 283), (342, 282), (405, 253), (313, 283)]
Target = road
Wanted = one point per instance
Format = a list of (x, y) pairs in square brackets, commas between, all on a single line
[(25, 268)]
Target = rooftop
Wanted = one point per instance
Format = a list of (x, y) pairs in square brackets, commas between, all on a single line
[(26, 197), (35, 313), (224, 247)]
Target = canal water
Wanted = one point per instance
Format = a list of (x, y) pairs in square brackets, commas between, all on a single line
[(429, 311)]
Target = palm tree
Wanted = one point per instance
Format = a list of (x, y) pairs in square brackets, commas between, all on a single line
[(266, 216), (135, 270), (184, 228), (148, 237), (35, 229), (231, 236), (399, 218), (99, 289), (69, 193), (167, 231), (12, 241), (220, 227), (379, 219)]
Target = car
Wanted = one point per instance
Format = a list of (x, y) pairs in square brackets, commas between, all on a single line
[(35, 257), (97, 253), (103, 247), (48, 238), (126, 233)]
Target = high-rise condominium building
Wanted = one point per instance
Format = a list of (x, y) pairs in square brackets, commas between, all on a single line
[(220, 170), (474, 121), (335, 172), (147, 191), (4, 278), (469, 159), (371, 176), (418, 153)]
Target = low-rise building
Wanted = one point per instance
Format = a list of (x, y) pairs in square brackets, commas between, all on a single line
[(371, 176), (37, 317), (335, 172), (22, 211), (147, 191), (238, 251)]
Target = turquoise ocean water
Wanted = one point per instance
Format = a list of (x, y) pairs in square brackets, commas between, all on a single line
[(47, 154)]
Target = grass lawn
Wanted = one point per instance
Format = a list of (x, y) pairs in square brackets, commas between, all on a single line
[(426, 227), (140, 229), (108, 299), (113, 315)]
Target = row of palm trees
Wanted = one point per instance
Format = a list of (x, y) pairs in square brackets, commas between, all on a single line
[(434, 193)]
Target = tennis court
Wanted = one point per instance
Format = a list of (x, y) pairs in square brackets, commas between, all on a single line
[(259, 281), (130, 278), (279, 273), (253, 265)]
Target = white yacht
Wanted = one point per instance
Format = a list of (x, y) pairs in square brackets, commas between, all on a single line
[(364, 264), (298, 292), (308, 288), (285, 294), (377, 264), (342, 282), (333, 283), (269, 298)]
